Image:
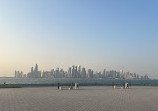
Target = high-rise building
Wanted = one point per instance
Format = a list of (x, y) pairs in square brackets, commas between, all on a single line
[(138, 76), (121, 72), (34, 73), (146, 77), (69, 72), (98, 74), (15, 74), (18, 74), (57, 73), (104, 73), (79, 72), (36, 68), (31, 69), (118, 75), (83, 73), (90, 73), (112, 74), (74, 72), (142, 77)]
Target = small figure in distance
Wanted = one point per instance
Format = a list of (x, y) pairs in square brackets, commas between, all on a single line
[(4, 84), (58, 85)]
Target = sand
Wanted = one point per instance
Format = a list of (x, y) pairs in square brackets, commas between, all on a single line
[(98, 98)]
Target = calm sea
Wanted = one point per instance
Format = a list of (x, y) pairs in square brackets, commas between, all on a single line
[(54, 81)]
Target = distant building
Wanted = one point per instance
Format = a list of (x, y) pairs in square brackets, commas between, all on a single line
[(18, 74), (113, 74), (74, 72), (98, 75), (78, 72), (146, 77), (34, 73), (117, 75), (57, 75), (141, 77), (83, 73), (138, 77), (69, 72), (90, 73), (121, 74), (104, 73)]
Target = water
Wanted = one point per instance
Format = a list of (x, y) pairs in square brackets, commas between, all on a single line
[(79, 80)]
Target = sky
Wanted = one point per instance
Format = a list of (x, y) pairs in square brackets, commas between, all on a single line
[(96, 34)]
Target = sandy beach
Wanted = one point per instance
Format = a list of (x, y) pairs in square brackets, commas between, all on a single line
[(91, 98)]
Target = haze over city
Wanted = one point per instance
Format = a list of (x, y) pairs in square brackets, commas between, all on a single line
[(110, 35)]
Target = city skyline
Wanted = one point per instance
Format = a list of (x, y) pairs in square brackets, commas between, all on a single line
[(95, 34), (78, 71), (48, 67)]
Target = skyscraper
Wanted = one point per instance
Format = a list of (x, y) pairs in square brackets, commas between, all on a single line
[(34, 73), (18, 74), (36, 68), (69, 72), (83, 73), (31, 69), (73, 72), (79, 72), (90, 73), (104, 73)]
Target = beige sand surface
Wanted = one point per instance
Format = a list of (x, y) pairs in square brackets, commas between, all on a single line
[(98, 98)]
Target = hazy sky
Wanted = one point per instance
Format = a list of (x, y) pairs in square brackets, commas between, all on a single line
[(97, 34)]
